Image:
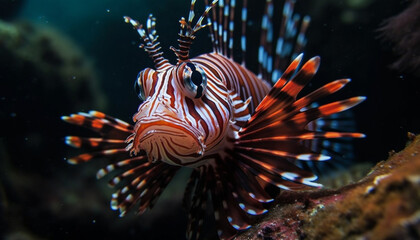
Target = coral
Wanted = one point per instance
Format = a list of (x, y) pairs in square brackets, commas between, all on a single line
[(383, 205)]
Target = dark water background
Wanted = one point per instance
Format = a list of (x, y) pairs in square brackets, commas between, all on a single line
[(42, 197)]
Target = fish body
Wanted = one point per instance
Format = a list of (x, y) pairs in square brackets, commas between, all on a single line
[(210, 113)]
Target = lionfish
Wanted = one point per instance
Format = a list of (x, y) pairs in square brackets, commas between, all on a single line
[(210, 113)]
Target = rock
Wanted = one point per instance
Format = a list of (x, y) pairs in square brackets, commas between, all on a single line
[(385, 204)]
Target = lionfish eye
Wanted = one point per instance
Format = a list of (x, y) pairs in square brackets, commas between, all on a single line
[(195, 79), (138, 87)]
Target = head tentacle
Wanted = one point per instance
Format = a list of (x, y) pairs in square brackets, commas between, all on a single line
[(151, 44), (186, 34)]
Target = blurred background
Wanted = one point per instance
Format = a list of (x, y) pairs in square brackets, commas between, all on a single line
[(60, 57)]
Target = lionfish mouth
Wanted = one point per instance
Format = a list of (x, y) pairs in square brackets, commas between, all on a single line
[(173, 142)]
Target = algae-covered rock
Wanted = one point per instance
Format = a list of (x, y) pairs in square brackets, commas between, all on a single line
[(385, 204)]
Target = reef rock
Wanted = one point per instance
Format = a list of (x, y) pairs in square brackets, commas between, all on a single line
[(385, 204)]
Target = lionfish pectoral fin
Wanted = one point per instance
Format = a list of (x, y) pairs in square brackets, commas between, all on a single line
[(110, 143), (140, 185), (101, 123), (138, 181), (270, 143)]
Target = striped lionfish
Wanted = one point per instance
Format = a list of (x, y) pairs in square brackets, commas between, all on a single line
[(212, 114)]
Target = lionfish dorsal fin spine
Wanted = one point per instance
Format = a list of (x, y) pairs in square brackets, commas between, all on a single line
[(273, 54), (231, 26), (223, 28), (150, 38), (287, 35), (213, 29), (243, 30)]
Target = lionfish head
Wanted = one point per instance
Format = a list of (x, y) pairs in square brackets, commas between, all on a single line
[(168, 128), (172, 123)]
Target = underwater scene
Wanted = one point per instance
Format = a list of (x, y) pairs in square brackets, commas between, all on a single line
[(206, 121)]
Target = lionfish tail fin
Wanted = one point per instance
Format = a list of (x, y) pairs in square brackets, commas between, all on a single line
[(138, 181)]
